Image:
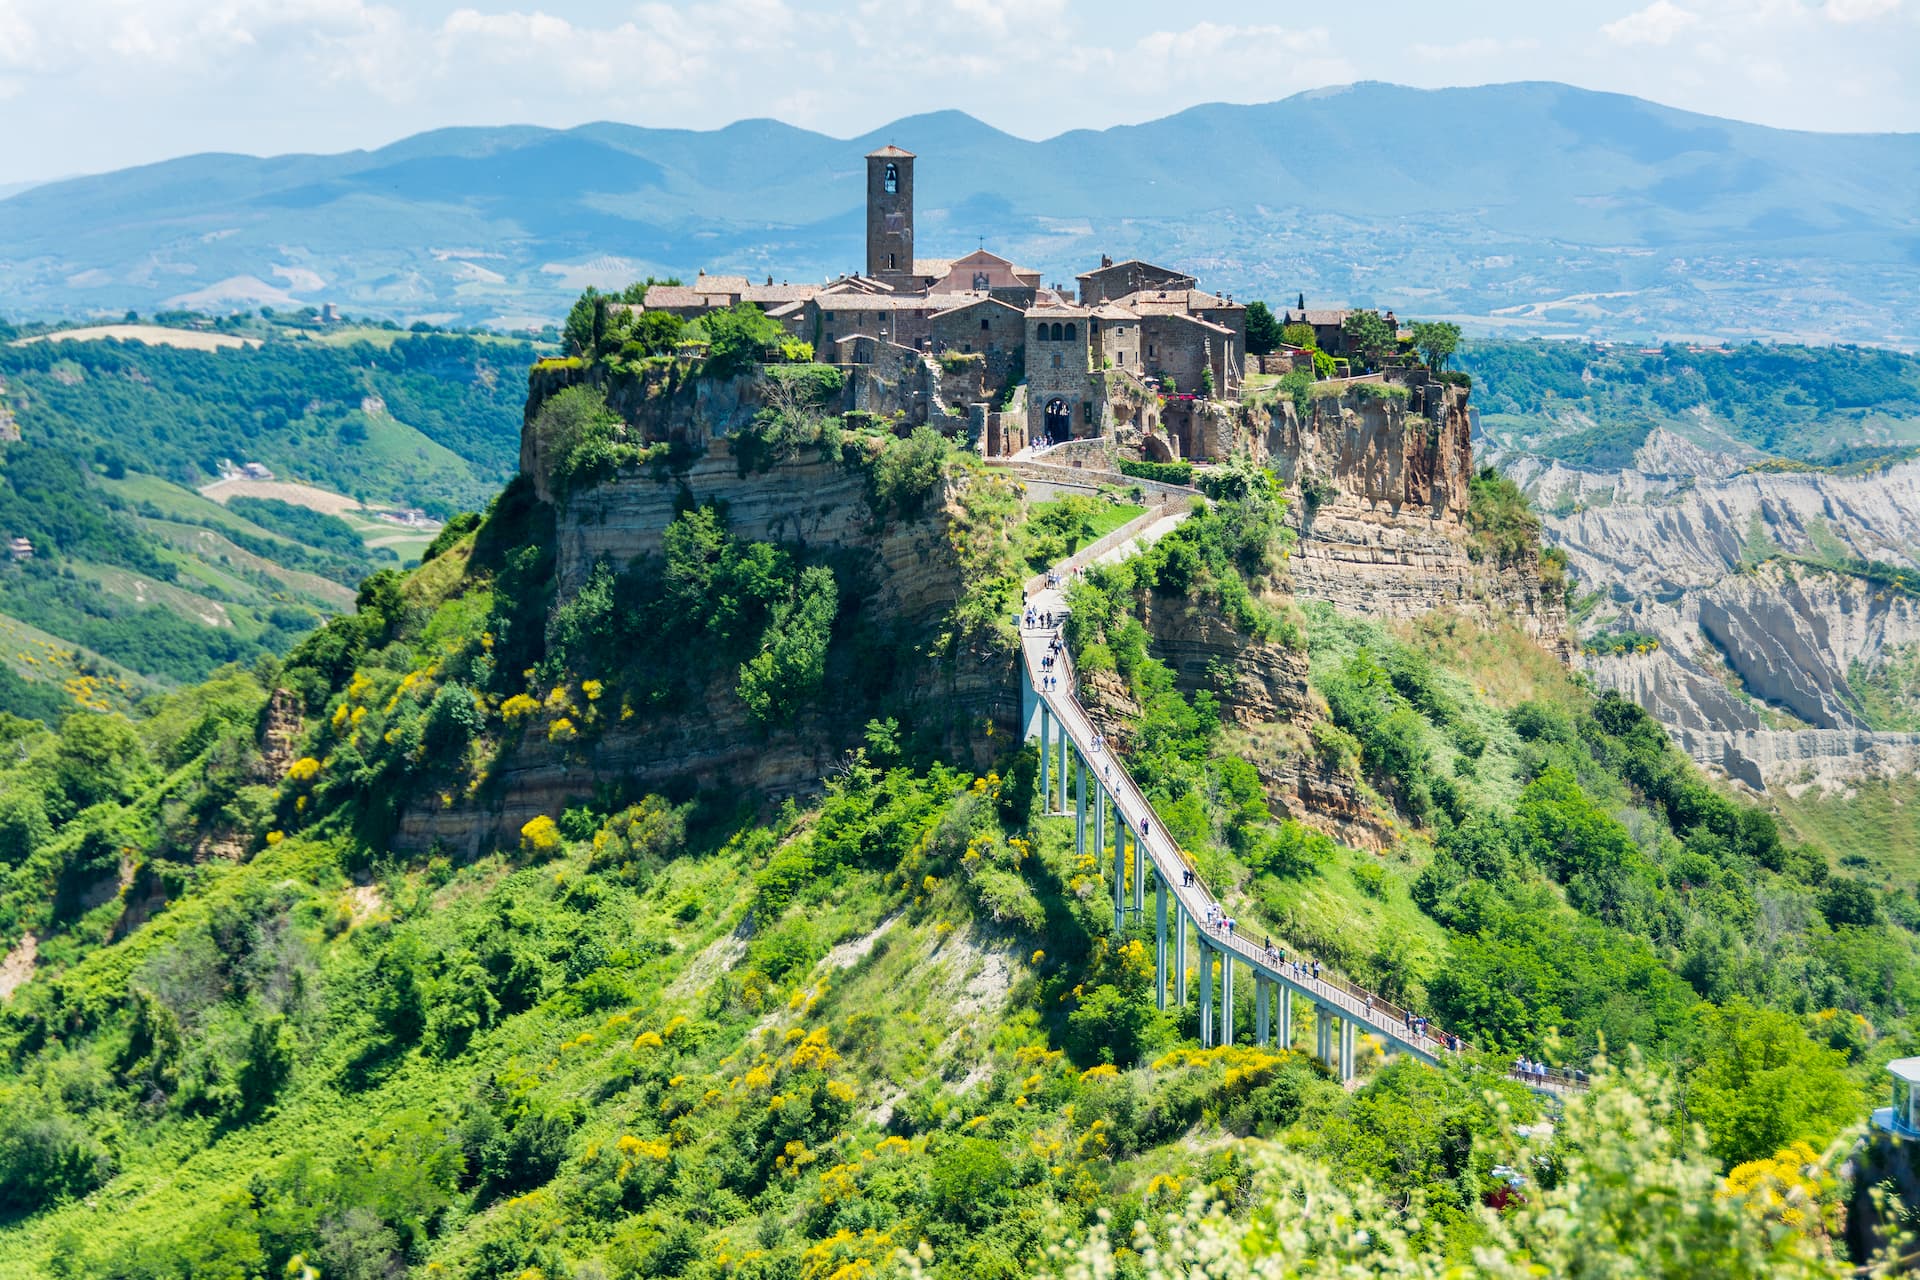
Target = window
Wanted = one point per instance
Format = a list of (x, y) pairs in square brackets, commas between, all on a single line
[(890, 262), (893, 178), (980, 281), (966, 347), (826, 315), (1058, 335), (1056, 359), (1069, 331), (983, 324), (1086, 412), (1149, 351)]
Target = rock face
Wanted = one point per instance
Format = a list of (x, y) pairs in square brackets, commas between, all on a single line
[(1263, 691), (1401, 450), (1753, 673), (1369, 562), (906, 578)]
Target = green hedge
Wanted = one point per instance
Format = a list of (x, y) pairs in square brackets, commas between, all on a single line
[(1164, 472)]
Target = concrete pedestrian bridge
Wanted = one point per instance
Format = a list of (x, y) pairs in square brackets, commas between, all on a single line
[(1079, 778)]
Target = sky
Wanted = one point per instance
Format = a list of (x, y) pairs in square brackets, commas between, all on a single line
[(92, 85)]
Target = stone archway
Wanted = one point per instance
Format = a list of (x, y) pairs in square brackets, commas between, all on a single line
[(1155, 449), (1058, 421)]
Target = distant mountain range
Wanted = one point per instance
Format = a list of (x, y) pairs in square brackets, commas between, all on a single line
[(1532, 207)]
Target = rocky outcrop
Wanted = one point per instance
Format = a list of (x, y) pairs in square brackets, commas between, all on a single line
[(1395, 449), (1369, 561), (1756, 655), (662, 403), (906, 578)]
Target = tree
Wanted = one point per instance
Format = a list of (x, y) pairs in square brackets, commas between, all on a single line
[(1435, 340), (586, 323), (736, 338), (1755, 1082), (1630, 1194), (1263, 328), (792, 661), (1368, 336), (1299, 334)]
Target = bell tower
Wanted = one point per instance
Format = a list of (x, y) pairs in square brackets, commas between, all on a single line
[(889, 213)]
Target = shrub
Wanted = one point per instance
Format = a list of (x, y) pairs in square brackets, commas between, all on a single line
[(541, 837), (1163, 472)]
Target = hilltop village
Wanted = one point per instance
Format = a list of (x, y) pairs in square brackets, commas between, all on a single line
[(1136, 352)]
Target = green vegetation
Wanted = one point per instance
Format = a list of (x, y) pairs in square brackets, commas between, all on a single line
[(683, 1028), (1055, 530), (1263, 328), (1368, 336), (1594, 406), (315, 529), (1505, 529), (1164, 472), (429, 420), (1223, 555), (1436, 341), (1614, 644)]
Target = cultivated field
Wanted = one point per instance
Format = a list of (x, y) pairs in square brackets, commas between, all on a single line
[(152, 334), (300, 495)]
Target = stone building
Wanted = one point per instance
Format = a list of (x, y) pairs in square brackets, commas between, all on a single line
[(1113, 280), (1131, 354)]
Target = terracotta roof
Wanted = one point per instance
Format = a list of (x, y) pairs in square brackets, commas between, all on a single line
[(719, 284), (673, 295), (786, 309), (771, 294), (1135, 262), (1057, 311), (1177, 301), (962, 306), (890, 152), (1202, 321), (929, 302), (1114, 311), (1316, 316), (856, 284), (932, 266)]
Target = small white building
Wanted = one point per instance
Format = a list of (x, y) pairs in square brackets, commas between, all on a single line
[(1901, 1119)]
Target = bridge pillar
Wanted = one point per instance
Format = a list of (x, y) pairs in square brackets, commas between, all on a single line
[(1119, 868), (1139, 874), (1099, 824), (1206, 993), (1226, 996), (1347, 1038), (1080, 810), (1259, 1008), (1323, 1033), (1046, 789), (1179, 955), (1286, 1015), (1066, 745), (1160, 943)]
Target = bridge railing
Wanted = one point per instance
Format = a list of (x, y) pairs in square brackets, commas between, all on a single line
[(1373, 1007)]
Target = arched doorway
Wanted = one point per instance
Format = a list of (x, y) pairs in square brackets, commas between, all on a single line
[(1058, 421)]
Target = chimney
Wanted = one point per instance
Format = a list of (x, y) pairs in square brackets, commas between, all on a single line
[(1106, 259)]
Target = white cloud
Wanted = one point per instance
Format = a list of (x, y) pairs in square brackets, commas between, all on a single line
[(1857, 10), (1657, 24)]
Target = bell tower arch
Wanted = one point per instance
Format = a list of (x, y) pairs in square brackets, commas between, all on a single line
[(889, 213)]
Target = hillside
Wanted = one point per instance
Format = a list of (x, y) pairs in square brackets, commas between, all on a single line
[(1585, 213), (1740, 525), (148, 568), (816, 988)]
